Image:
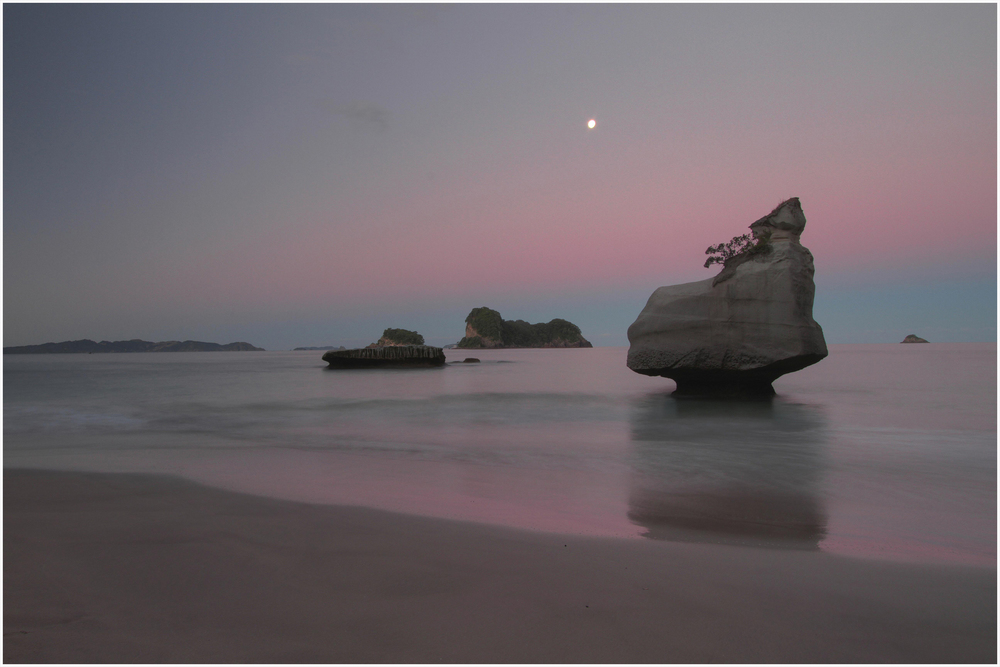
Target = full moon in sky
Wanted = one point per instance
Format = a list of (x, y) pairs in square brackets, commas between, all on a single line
[(591, 124)]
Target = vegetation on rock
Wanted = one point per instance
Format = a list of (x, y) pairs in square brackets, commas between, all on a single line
[(400, 337), (746, 245), (485, 327), (487, 322)]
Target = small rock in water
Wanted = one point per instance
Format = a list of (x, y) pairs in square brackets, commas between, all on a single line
[(473, 360), (912, 338)]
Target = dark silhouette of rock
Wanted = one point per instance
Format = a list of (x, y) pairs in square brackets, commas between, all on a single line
[(734, 334), (912, 338), (470, 360), (395, 356)]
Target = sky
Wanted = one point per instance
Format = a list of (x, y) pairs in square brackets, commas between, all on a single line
[(306, 175)]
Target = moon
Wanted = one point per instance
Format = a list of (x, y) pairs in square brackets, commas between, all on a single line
[(591, 124)]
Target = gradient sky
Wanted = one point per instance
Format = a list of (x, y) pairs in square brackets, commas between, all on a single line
[(312, 174)]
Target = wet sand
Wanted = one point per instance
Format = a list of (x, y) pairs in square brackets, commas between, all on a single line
[(135, 568)]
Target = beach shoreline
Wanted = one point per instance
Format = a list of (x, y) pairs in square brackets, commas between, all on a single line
[(149, 568)]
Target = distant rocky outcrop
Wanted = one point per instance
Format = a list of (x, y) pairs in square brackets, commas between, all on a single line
[(398, 337), (734, 334), (912, 338), (87, 346), (485, 328)]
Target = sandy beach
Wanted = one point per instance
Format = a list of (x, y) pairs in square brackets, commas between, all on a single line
[(136, 568)]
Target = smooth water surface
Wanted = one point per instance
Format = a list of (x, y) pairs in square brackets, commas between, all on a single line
[(884, 451)]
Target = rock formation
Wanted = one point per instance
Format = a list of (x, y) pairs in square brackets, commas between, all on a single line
[(734, 334), (913, 338), (485, 328), (396, 348), (393, 356)]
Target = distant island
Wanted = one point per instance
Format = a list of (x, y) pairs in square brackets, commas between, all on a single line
[(87, 346), (485, 328), (324, 347), (912, 338)]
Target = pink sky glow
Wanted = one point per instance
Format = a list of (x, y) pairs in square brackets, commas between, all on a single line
[(442, 160)]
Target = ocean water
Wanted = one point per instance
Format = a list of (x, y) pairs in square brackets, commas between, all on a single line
[(878, 451)]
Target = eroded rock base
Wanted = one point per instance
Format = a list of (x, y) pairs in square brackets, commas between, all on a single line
[(730, 384), (723, 384)]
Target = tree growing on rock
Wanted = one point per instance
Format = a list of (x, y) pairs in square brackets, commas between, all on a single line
[(747, 244)]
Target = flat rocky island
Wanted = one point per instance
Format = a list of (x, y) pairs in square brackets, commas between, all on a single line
[(397, 348), (734, 334)]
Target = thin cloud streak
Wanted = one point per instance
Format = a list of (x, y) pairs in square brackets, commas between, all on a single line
[(364, 113)]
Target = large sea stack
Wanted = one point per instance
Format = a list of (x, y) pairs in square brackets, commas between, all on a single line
[(734, 334)]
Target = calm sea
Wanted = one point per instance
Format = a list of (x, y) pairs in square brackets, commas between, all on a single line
[(884, 451)]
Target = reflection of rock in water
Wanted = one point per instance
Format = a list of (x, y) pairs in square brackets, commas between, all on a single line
[(720, 471)]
